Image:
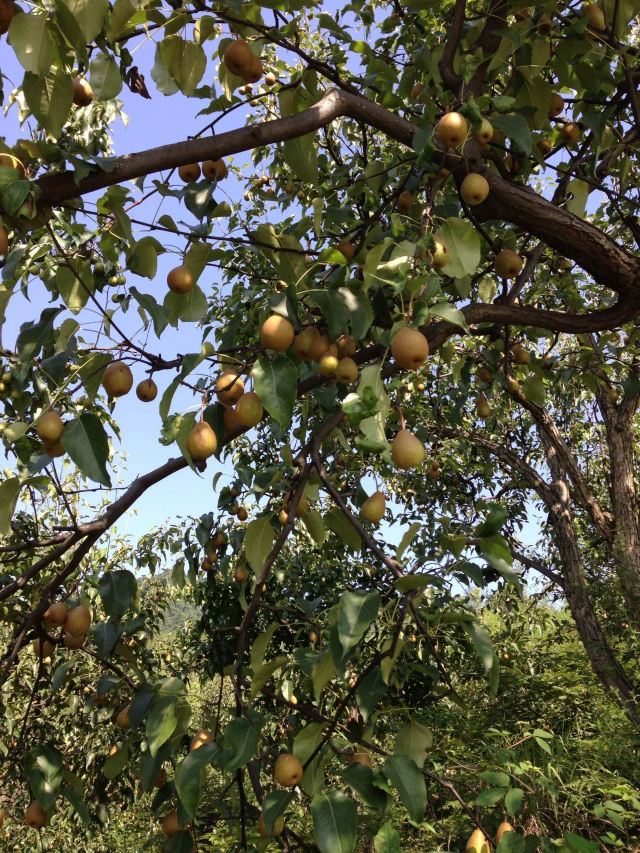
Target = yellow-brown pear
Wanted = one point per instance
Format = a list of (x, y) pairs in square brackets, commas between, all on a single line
[(407, 451), (249, 409), (347, 371), (229, 388), (201, 441), (117, 379), (477, 843), (147, 390), (373, 508), (452, 129), (404, 202), (508, 263), (482, 406), (502, 830), (277, 333), (78, 620), (238, 57), (288, 770), (50, 426), (278, 827), (180, 279), (409, 348), (189, 173), (82, 92), (474, 189), (595, 17), (35, 816), (201, 738), (55, 614)]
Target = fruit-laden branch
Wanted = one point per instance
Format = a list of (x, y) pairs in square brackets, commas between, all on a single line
[(596, 253)]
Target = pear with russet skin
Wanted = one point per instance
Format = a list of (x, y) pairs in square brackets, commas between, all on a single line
[(407, 451), (50, 426), (452, 129), (409, 348), (374, 507), (117, 379), (249, 409), (277, 333), (474, 189), (288, 770), (201, 442), (347, 371), (508, 263)]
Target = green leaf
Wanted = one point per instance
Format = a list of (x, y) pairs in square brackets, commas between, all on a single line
[(334, 822), (415, 741), (407, 538), (449, 313), (120, 15), (43, 766), (185, 61), (273, 805), (89, 16), (118, 590), (258, 542), (356, 612), (534, 390), (115, 764), (162, 721), (312, 520), (79, 806), (74, 287), (360, 779), (239, 742), (369, 692), (337, 521), (464, 247), (577, 844), (31, 41), (105, 77), (305, 743), (511, 843), (387, 840), (86, 442), (157, 312), (402, 773), (301, 155), (105, 635), (513, 801), (9, 491), (516, 128), (49, 98), (486, 653), (490, 796), (144, 259), (275, 381), (187, 777), (322, 673)]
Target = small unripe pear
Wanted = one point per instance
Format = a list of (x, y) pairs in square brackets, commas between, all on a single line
[(50, 426), (484, 134), (117, 379), (180, 279), (508, 263), (407, 451), (404, 202), (347, 371), (229, 388), (409, 348), (452, 129), (477, 843), (147, 390), (439, 257), (201, 441), (373, 508), (288, 770), (277, 333), (78, 620), (249, 409), (474, 189), (278, 827), (485, 374)]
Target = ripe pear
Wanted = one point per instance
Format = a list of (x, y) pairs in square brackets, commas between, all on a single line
[(482, 406), (544, 25), (556, 105), (439, 256), (571, 132), (117, 379), (242, 514), (452, 129), (249, 409), (508, 263), (122, 718), (485, 374), (513, 385), (477, 843), (319, 346), (409, 348), (407, 451), (254, 72), (229, 388), (373, 508), (240, 575), (55, 614), (7, 11), (522, 14), (50, 426), (484, 134), (404, 202), (277, 333), (595, 17), (361, 758), (180, 279), (171, 824), (231, 422), (201, 738), (238, 58), (303, 341), (278, 827), (4, 240), (288, 770), (505, 826), (544, 146), (346, 346), (215, 170), (201, 441), (346, 248), (283, 516), (347, 371), (43, 648), (147, 390), (520, 354), (11, 162), (82, 92), (270, 79), (78, 620), (72, 642), (328, 363), (189, 173), (474, 189), (35, 816)]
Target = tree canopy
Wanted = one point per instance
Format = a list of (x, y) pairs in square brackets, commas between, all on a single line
[(399, 252)]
